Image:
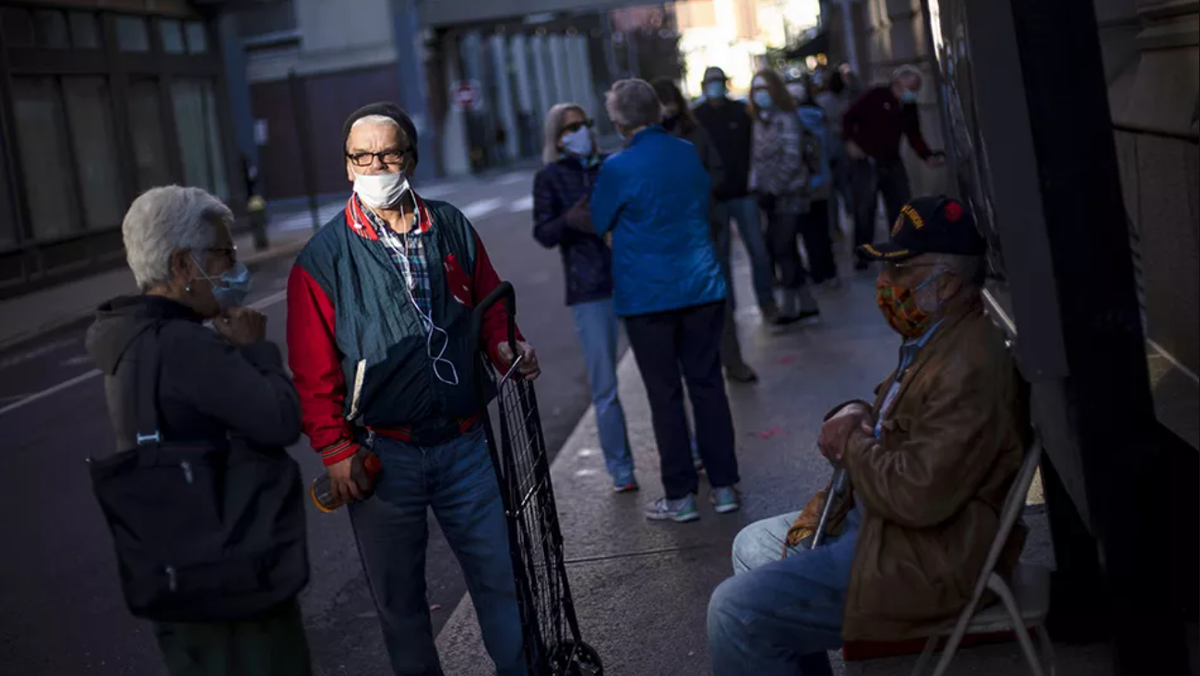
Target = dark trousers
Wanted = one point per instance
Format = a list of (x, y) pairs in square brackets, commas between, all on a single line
[(668, 345), (272, 644), (814, 228), (868, 179), (782, 230)]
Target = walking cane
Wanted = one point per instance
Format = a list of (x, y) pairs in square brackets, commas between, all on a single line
[(837, 488)]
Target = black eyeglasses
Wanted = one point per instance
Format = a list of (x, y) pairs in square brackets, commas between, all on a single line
[(576, 126), (386, 156), (229, 252)]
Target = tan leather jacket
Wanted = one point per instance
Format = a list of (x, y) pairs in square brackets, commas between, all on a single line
[(933, 485)]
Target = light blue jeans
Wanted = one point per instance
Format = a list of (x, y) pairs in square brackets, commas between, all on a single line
[(744, 210), (596, 323), (456, 479), (777, 616)]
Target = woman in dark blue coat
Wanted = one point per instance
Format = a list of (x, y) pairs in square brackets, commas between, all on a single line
[(561, 219), (652, 201)]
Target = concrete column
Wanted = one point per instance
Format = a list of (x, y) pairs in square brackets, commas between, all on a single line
[(528, 117), (504, 96), (455, 149), (414, 98), (545, 84), (581, 72), (558, 66)]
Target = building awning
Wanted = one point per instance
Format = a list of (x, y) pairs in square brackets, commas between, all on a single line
[(810, 45)]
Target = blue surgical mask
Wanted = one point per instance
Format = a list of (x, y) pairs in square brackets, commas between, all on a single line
[(763, 100), (231, 289), (715, 90), (578, 142), (908, 96)]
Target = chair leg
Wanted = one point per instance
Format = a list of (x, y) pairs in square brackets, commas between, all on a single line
[(923, 660), (951, 649), (1047, 646), (1010, 604)]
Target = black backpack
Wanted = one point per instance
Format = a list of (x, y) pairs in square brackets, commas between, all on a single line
[(203, 532)]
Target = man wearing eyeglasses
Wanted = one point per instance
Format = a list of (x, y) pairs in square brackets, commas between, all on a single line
[(379, 317), (930, 462)]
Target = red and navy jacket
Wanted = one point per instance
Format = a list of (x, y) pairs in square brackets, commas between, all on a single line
[(357, 346)]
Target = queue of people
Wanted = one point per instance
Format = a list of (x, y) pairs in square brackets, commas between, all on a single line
[(379, 303)]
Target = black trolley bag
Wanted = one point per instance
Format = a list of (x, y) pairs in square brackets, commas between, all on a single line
[(551, 630), (203, 532)]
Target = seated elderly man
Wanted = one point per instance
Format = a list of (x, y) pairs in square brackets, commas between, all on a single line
[(929, 462)]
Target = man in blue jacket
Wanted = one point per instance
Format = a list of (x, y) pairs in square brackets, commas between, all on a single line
[(651, 201)]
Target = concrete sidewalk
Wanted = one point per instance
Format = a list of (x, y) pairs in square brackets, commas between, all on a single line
[(641, 589)]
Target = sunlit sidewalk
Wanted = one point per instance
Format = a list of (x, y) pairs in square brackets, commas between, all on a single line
[(641, 589)]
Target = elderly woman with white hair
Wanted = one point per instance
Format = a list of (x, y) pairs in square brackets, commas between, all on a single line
[(212, 386), (652, 200), (561, 219)]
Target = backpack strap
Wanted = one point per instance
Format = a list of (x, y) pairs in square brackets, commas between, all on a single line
[(138, 393)]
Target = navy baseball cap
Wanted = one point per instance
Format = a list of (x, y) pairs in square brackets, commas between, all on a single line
[(937, 224)]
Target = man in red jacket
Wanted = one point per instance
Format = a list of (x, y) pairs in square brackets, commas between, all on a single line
[(379, 317), (872, 128)]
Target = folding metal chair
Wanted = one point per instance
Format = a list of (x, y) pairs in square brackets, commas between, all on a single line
[(1022, 606)]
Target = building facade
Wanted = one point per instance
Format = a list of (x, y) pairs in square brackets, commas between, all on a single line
[(98, 102)]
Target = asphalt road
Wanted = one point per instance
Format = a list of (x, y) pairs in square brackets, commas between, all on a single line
[(62, 611)]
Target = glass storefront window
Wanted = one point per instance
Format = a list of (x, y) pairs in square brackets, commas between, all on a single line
[(8, 215), (132, 34), (85, 33), (199, 136), (89, 115), (16, 27), (197, 39), (149, 148), (51, 29), (171, 32), (42, 146)]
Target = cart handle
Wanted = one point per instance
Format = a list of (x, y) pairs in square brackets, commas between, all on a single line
[(503, 291)]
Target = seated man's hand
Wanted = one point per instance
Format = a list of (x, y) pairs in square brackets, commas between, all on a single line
[(529, 367), (837, 430)]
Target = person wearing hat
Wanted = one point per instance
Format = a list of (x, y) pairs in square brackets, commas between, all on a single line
[(379, 317), (930, 460), (731, 128), (872, 128)]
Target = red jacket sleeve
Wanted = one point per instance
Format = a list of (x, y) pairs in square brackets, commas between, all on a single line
[(316, 367), (495, 323), (912, 129)]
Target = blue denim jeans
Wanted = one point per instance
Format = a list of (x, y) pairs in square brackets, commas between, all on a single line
[(777, 616), (456, 479), (596, 323), (744, 210)]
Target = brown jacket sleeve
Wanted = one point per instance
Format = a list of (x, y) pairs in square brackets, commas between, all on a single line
[(927, 466)]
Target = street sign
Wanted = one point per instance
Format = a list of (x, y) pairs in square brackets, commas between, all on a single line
[(466, 95)]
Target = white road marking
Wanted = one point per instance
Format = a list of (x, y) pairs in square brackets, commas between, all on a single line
[(37, 352), (514, 177), (84, 377), (523, 204), (481, 208)]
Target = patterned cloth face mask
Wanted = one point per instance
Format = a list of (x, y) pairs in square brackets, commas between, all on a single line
[(900, 308)]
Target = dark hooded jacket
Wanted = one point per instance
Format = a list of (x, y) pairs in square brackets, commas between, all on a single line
[(208, 388)]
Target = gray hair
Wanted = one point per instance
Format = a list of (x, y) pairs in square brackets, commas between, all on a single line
[(970, 269), (907, 69), (164, 220), (378, 119), (632, 104), (555, 121)]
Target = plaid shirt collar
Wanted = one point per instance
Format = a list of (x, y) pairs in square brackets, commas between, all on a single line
[(368, 224)]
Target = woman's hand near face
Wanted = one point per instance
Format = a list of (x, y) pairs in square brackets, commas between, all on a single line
[(242, 326)]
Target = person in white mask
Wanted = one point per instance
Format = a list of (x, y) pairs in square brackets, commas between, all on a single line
[(562, 220), (379, 316)]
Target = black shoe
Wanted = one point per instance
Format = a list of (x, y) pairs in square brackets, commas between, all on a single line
[(861, 264), (741, 373), (805, 316)]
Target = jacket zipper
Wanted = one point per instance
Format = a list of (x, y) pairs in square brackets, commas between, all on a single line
[(172, 581), (187, 471)]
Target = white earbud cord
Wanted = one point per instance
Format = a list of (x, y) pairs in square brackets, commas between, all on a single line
[(430, 327)]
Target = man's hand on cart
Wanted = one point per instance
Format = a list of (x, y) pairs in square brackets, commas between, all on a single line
[(529, 367)]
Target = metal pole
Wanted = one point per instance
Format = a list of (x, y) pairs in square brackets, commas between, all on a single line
[(837, 486), (304, 139)]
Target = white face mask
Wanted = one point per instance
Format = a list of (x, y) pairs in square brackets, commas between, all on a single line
[(381, 191), (578, 142)]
